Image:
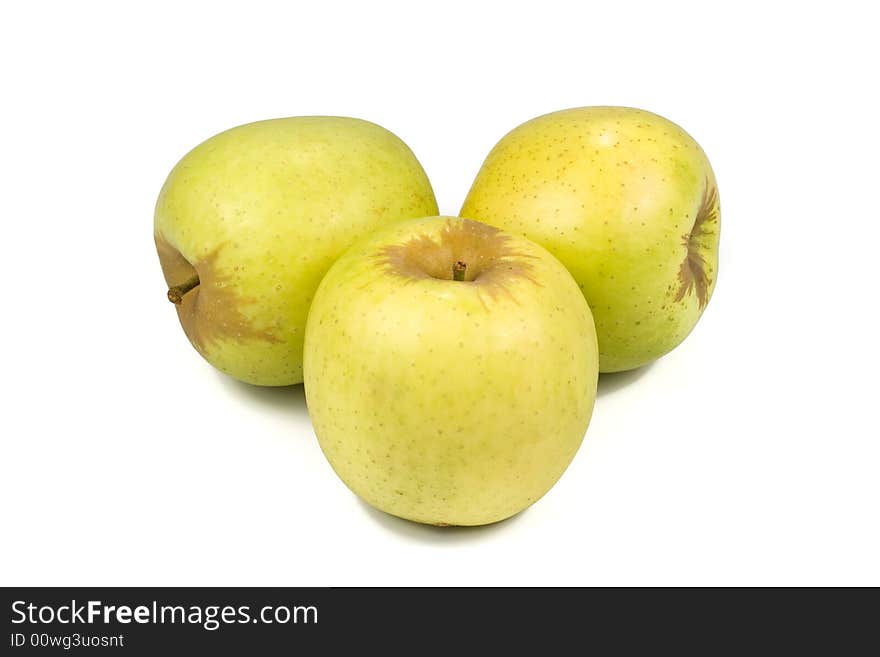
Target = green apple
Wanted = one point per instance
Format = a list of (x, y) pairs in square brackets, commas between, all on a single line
[(450, 370), (249, 221), (628, 202)]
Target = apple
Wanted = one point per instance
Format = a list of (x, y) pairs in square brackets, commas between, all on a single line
[(249, 221), (450, 370), (628, 202)]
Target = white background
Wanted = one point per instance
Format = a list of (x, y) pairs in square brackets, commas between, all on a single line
[(748, 456)]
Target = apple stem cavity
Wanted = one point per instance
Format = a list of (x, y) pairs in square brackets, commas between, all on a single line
[(458, 270), (176, 292)]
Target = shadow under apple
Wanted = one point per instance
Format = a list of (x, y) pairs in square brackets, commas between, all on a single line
[(611, 382), (416, 531), (286, 400)]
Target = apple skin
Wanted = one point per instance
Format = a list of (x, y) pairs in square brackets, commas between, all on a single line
[(449, 402), (628, 202), (259, 213)]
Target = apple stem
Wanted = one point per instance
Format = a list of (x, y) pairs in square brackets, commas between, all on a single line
[(458, 270), (176, 292)]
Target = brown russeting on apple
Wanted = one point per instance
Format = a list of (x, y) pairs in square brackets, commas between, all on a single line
[(212, 309), (489, 260), (692, 274)]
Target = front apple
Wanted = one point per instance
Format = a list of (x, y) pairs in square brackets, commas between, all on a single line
[(450, 370)]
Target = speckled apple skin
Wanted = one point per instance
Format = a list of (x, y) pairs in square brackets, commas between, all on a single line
[(627, 200), (448, 402), (260, 212)]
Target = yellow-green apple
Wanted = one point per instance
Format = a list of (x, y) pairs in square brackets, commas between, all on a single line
[(450, 370), (628, 202), (249, 221)]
